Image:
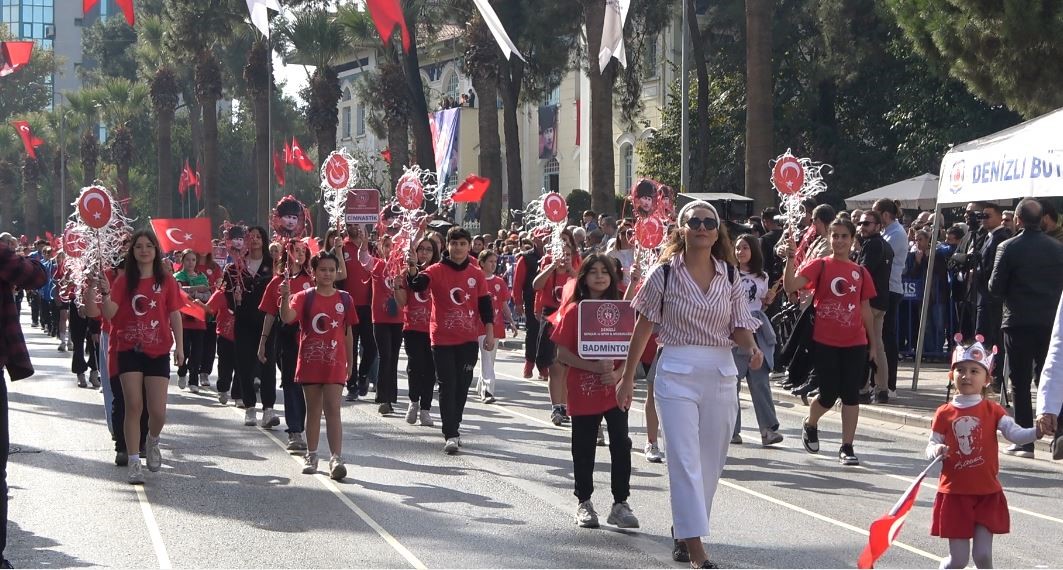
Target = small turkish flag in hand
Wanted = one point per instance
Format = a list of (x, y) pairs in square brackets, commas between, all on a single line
[(184, 233), (472, 190)]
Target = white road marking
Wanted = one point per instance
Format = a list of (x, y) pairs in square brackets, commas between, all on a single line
[(153, 528)]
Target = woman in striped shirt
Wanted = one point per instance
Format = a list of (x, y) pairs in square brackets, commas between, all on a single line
[(695, 299)]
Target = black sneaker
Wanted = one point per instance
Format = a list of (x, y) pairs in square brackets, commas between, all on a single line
[(708, 564), (866, 397), (488, 398), (810, 438), (363, 390), (352, 395), (846, 455), (121, 459), (679, 550), (883, 397)]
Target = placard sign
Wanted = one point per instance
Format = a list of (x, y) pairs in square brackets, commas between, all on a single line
[(605, 328), (363, 206), (220, 254)]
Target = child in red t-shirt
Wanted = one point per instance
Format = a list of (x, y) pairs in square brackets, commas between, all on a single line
[(225, 321), (143, 308), (326, 356), (554, 275), (499, 291), (592, 397), (970, 503), (417, 317)]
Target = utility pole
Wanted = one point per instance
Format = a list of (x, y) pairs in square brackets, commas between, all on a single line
[(684, 87)]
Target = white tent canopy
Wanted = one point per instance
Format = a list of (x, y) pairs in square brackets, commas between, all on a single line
[(919, 193), (1023, 161)]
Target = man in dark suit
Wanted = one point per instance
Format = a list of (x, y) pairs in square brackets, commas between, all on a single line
[(1028, 272), (990, 308)]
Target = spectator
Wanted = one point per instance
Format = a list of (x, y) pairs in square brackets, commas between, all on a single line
[(1028, 270), (915, 268), (773, 232), (608, 227), (590, 220), (1008, 220), (877, 257), (24, 273), (471, 98), (964, 264), (1050, 221), (990, 308), (894, 234), (580, 235), (594, 242), (623, 251)]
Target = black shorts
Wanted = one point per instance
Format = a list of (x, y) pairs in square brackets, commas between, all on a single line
[(134, 361), (840, 373)]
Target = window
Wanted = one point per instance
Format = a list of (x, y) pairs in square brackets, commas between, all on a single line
[(359, 126), (450, 88), (627, 167), (555, 96), (649, 61), (346, 93), (552, 176), (346, 122)]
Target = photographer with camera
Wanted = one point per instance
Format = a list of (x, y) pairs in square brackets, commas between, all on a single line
[(964, 265)]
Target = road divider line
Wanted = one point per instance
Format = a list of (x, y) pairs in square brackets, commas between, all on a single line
[(153, 528)]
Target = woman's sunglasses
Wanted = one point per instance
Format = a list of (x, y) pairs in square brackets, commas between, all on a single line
[(709, 223)]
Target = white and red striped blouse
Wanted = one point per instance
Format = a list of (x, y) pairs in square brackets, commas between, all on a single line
[(692, 317)]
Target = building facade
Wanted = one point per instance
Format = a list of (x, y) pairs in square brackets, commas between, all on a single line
[(554, 134)]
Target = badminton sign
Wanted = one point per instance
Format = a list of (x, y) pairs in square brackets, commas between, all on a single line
[(605, 328)]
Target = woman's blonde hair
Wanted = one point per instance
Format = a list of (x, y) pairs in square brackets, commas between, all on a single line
[(723, 249)]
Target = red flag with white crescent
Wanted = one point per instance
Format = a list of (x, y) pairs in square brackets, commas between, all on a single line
[(885, 530), (299, 157), (278, 167), (29, 141), (386, 15), (125, 5), (15, 55), (183, 233)]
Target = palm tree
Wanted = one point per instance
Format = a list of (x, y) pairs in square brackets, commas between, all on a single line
[(10, 147), (318, 39), (165, 92), (759, 120), (84, 110), (603, 169), (122, 101), (482, 61), (259, 86), (61, 138), (31, 174)]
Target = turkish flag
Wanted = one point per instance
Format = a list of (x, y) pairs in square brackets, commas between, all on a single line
[(885, 529), (278, 167), (125, 5), (191, 309), (299, 157), (193, 177), (183, 233), (15, 55), (472, 190), (288, 153), (29, 141), (386, 15), (188, 179), (386, 155)]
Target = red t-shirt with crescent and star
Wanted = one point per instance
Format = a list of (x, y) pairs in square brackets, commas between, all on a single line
[(586, 394), (383, 296), (322, 337), (357, 282), (840, 288), (499, 292), (455, 301), (553, 292), (143, 318), (219, 307), (417, 313), (271, 297)]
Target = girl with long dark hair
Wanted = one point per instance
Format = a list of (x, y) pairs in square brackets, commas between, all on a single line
[(387, 323), (244, 285), (417, 314), (144, 313)]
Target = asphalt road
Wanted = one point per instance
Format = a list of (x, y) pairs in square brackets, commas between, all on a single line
[(230, 496)]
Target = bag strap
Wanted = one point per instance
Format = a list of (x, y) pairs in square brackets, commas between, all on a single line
[(307, 307), (666, 268)]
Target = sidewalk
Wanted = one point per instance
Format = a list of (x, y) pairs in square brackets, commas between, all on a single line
[(914, 408)]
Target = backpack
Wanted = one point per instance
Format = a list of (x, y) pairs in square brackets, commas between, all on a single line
[(345, 298)]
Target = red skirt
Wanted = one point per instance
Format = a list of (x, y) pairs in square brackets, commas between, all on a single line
[(955, 516)]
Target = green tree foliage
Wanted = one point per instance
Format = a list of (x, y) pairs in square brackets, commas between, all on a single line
[(109, 51), (1005, 52), (26, 90)]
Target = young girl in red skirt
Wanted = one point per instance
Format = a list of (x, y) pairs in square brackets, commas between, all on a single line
[(970, 503)]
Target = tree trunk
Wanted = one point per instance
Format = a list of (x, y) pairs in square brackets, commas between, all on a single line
[(195, 127), (698, 167), (422, 134), (759, 120), (164, 208), (122, 175), (8, 181), (263, 154), (90, 149), (490, 153), (398, 146), (209, 174), (511, 81), (30, 175), (58, 208), (603, 169)]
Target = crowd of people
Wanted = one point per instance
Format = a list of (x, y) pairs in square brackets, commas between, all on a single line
[(818, 301)]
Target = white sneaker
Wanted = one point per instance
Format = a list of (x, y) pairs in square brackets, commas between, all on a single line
[(223, 398), (601, 435), (426, 418), (451, 446), (269, 419), (136, 473), (336, 469), (250, 417), (770, 437), (622, 516), (182, 382), (653, 453), (586, 517), (310, 464), (411, 414), (62, 346), (194, 389), (204, 380), (296, 442), (154, 455)]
